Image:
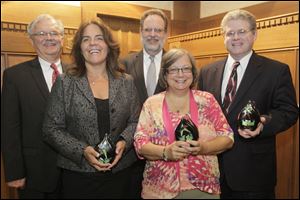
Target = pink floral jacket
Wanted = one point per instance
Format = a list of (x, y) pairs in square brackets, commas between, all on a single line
[(161, 178)]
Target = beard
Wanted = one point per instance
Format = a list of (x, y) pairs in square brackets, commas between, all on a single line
[(150, 47)]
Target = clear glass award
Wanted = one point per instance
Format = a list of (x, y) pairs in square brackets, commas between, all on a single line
[(106, 149)]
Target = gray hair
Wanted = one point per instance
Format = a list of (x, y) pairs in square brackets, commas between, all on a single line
[(154, 12), (239, 14), (57, 23)]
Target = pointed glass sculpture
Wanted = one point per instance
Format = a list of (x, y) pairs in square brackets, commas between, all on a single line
[(106, 149), (186, 130), (249, 117)]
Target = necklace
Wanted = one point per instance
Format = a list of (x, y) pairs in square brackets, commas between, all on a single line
[(98, 79), (178, 106)]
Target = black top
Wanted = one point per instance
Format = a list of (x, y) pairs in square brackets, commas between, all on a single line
[(103, 117)]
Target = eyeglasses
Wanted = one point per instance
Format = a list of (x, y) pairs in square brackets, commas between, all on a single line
[(185, 70), (43, 34), (156, 30), (241, 33)]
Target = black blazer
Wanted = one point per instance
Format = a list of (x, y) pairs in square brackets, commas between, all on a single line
[(23, 103), (251, 164), (134, 66)]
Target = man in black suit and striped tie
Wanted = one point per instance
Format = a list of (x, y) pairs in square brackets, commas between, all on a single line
[(248, 169), (29, 163)]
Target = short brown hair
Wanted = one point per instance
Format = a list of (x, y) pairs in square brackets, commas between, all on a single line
[(154, 12), (170, 58), (239, 14), (112, 65)]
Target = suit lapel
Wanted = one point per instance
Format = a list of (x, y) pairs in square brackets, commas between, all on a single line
[(252, 72), (139, 70), (159, 88), (83, 85), (218, 74), (114, 85), (64, 67), (38, 77)]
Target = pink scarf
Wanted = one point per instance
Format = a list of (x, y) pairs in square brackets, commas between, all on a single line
[(167, 119)]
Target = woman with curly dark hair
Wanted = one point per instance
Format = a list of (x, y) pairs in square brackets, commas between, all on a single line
[(93, 100)]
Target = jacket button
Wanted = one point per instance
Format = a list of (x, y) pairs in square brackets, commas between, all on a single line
[(113, 110), (113, 129)]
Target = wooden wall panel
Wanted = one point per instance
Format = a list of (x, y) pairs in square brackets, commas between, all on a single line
[(273, 33), (263, 10), (6, 192), (90, 9), (285, 141), (13, 59), (288, 56), (26, 11), (125, 31)]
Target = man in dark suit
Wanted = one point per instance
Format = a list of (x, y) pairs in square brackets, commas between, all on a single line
[(248, 170), (153, 31), (29, 163)]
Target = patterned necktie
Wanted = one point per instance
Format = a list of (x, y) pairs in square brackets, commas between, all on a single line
[(55, 72), (151, 77), (231, 87)]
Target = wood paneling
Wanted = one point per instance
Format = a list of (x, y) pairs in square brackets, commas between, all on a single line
[(273, 33), (263, 10), (26, 11), (6, 192), (90, 9), (122, 18), (126, 31), (278, 38), (186, 10)]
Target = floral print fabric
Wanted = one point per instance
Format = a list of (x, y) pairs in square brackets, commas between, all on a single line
[(161, 178)]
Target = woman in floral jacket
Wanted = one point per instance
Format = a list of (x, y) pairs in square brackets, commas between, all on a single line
[(181, 169)]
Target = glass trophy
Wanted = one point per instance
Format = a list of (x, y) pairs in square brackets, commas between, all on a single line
[(106, 149), (249, 117), (186, 130)]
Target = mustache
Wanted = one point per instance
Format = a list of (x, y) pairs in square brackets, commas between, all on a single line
[(50, 41), (152, 38)]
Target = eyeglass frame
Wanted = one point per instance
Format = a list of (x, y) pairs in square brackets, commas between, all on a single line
[(44, 34), (188, 70), (156, 30), (240, 33)]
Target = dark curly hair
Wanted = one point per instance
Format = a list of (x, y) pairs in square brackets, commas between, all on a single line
[(112, 65)]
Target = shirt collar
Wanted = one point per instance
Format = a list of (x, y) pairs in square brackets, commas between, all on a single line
[(243, 62), (146, 55), (46, 65)]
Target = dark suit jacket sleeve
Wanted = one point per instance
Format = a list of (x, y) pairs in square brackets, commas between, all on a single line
[(11, 141), (284, 110), (134, 110)]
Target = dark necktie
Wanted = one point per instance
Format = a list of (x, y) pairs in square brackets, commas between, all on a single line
[(231, 87), (55, 72), (151, 77)]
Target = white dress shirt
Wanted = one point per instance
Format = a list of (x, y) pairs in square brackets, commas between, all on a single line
[(48, 71), (240, 71), (147, 62)]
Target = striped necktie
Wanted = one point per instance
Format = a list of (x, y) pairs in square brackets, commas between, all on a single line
[(231, 87), (55, 72)]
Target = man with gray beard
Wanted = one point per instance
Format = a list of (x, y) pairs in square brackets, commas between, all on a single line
[(145, 66)]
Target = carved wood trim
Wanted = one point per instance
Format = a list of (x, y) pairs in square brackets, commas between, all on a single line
[(280, 20), (22, 27)]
